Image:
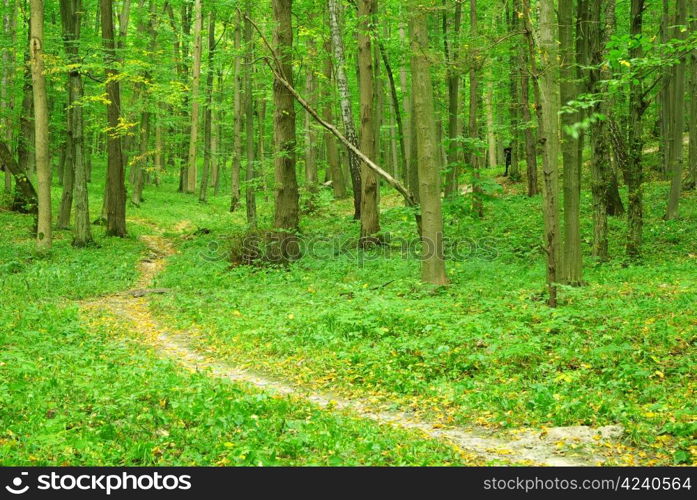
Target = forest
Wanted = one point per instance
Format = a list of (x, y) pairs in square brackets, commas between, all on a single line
[(348, 232)]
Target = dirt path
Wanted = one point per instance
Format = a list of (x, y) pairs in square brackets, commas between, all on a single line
[(559, 446)]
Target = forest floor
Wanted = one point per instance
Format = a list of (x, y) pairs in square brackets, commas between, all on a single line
[(344, 357)]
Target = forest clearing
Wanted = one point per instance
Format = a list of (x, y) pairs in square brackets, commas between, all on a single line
[(348, 233)]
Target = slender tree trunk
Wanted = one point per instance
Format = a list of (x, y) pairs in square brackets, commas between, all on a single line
[(208, 112), (571, 261), (345, 103), (195, 105), (286, 210), (549, 134), (310, 132), (514, 105), (370, 218), (337, 176), (475, 160), (692, 123), (432, 260), (600, 160), (217, 133), (678, 115), (116, 191), (407, 133), (43, 165), (490, 134), (237, 128), (528, 130), (250, 190), (453, 83), (6, 85), (637, 106)]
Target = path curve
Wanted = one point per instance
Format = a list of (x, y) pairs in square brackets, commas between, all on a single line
[(550, 446)]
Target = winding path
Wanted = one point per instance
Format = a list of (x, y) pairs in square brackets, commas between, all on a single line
[(556, 446)]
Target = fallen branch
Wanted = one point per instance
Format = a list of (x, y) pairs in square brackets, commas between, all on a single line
[(278, 74)]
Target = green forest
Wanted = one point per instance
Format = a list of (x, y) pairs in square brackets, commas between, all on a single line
[(348, 232)]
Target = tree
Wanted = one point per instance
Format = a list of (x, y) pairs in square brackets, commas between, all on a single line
[(238, 120), (43, 167), (432, 260), (637, 106), (71, 16), (195, 104), (453, 83), (473, 126), (286, 210), (572, 265), (250, 190), (116, 190), (549, 134), (336, 174), (345, 103), (677, 96), (370, 219), (208, 112)]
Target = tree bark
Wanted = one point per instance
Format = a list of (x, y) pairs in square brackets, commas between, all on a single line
[(432, 259), (345, 103), (286, 209), (675, 162), (549, 134), (208, 113), (250, 189), (43, 166), (637, 106), (473, 126), (453, 82), (370, 216), (195, 105), (337, 176), (116, 191), (571, 261), (237, 127)]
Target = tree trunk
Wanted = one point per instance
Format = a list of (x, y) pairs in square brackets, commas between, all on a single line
[(6, 85), (237, 128), (250, 189), (27, 193), (692, 123), (345, 103), (310, 132), (475, 160), (116, 191), (208, 113), (678, 115), (43, 165), (528, 130), (408, 135), (370, 217), (571, 261), (549, 135), (637, 106), (286, 210), (453, 83), (432, 259), (337, 176), (195, 105)]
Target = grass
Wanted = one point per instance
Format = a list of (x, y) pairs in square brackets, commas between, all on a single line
[(485, 349), (75, 389)]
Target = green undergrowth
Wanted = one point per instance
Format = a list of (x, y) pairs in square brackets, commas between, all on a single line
[(486, 348), (75, 389)]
